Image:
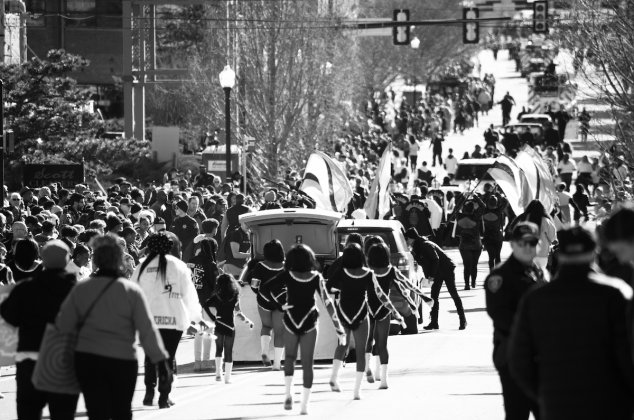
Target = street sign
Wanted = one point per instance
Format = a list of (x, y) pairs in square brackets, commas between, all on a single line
[(470, 30), (400, 34), (249, 143), (46, 174), (540, 17)]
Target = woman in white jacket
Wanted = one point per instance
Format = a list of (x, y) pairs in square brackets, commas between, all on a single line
[(167, 285)]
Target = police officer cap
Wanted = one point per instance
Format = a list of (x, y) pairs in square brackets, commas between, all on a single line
[(576, 246), (525, 231)]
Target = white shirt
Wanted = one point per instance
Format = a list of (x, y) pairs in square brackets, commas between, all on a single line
[(174, 301), (451, 164), (82, 273), (567, 167)]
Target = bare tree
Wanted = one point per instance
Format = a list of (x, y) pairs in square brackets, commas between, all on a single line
[(603, 34)]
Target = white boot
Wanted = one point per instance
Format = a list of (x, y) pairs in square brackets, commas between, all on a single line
[(277, 361), (265, 342), (198, 346), (357, 385), (377, 371), (334, 382), (383, 377), (228, 368), (206, 353), (368, 369), (218, 369), (288, 400), (305, 398)]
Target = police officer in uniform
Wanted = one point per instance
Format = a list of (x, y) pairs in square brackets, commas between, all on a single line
[(505, 286), (569, 346)]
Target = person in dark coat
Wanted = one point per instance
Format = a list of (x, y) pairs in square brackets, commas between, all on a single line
[(30, 306), (505, 286), (439, 269), (573, 361), (185, 228)]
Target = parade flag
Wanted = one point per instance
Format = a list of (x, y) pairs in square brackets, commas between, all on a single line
[(326, 183), (512, 181), (378, 203), (546, 192)]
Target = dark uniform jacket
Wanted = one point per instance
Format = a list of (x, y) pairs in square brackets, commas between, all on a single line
[(505, 286), (569, 347), (434, 261), (35, 302), (186, 228)]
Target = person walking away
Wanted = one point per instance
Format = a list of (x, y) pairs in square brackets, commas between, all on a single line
[(504, 287), (31, 305), (451, 165), (204, 274), (413, 152), (584, 172), (437, 149), (507, 104), (269, 306), (584, 124), (301, 317), (226, 301), (565, 202), (167, 284), (439, 269), (106, 353), (493, 230), (536, 213), (468, 227), (387, 276), (353, 288), (566, 169), (582, 202), (562, 118), (559, 351)]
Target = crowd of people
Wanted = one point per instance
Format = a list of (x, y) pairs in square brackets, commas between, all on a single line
[(162, 261)]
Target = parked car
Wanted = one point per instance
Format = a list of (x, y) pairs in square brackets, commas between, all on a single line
[(392, 233), (537, 118), (535, 128), (315, 228), (470, 171)]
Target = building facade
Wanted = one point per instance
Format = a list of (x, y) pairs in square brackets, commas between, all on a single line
[(89, 28)]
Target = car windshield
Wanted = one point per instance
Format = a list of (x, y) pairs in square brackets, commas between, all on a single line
[(388, 238)]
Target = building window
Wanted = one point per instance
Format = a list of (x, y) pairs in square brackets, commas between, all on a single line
[(81, 12), (109, 13), (35, 9)]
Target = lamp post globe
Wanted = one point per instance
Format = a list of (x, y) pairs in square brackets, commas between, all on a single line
[(227, 82)]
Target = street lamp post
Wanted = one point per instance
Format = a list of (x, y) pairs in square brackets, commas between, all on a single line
[(228, 81)]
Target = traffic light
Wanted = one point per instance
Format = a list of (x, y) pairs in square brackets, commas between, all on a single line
[(540, 17), (470, 30), (400, 33)]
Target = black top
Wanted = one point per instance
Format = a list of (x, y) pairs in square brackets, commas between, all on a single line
[(569, 346), (505, 286), (19, 274), (224, 310), (267, 298), (434, 261), (35, 302)]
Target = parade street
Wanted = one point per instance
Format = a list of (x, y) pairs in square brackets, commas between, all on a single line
[(441, 375)]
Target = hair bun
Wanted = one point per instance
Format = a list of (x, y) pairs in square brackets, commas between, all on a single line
[(160, 244)]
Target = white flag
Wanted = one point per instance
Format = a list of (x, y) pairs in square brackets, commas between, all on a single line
[(326, 183), (378, 203)]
